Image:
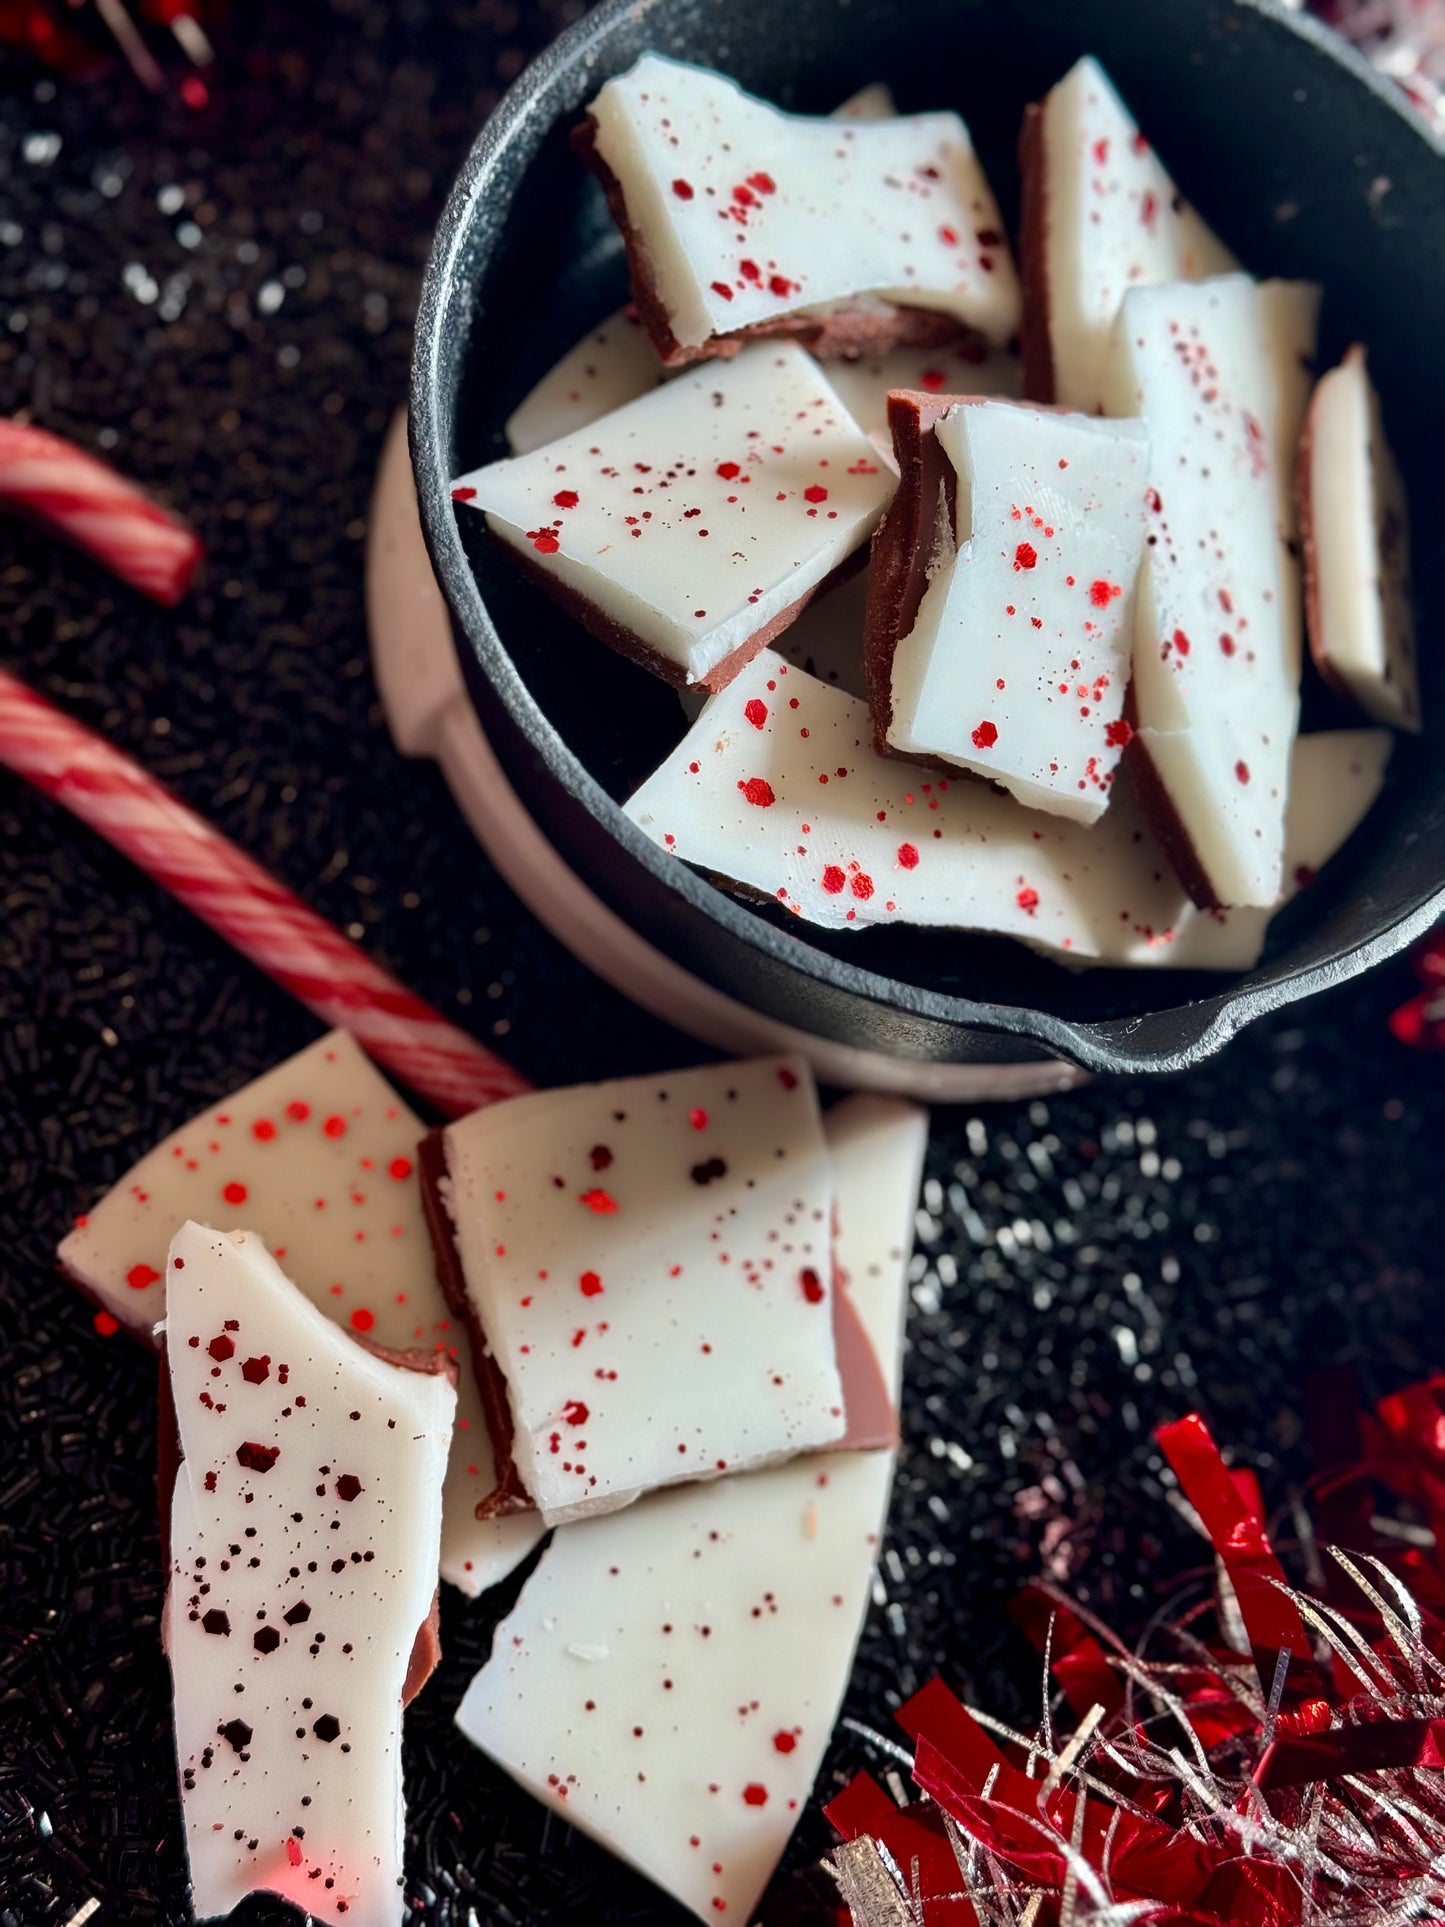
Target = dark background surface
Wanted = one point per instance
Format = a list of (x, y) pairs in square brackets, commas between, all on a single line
[(1087, 1269)]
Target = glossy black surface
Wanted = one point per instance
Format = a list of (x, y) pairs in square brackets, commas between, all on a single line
[(1306, 165)]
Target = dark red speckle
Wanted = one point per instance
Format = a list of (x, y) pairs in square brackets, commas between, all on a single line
[(256, 1371), (221, 1348), (812, 1285), (257, 1458), (755, 1794), (574, 1412), (348, 1486), (1241, 770), (683, 190), (784, 1742)]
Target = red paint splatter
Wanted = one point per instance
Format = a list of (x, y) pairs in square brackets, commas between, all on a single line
[(756, 712), (1025, 556), (985, 736), (759, 792)]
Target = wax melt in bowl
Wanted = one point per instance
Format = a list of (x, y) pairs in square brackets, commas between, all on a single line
[(1304, 162)]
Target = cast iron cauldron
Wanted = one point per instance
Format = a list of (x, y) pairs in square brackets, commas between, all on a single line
[(1304, 161)]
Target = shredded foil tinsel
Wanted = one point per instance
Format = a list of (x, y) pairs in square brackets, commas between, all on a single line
[(1271, 1753)]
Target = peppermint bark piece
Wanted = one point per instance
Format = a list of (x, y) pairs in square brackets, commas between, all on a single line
[(605, 370), (646, 1269), (1215, 692), (1290, 317), (670, 1677), (1008, 652), (317, 1157), (305, 1530), (690, 527), (1357, 549), (1100, 216), (740, 219)]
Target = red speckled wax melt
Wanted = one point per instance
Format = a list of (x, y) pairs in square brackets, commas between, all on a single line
[(689, 527), (318, 1158), (1215, 695), (740, 217), (851, 838), (1357, 549), (1017, 657), (650, 1264), (305, 1533), (670, 1677), (1100, 216)]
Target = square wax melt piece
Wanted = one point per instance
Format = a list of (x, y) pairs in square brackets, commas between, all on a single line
[(647, 1267), (689, 527), (741, 219), (669, 1679), (1100, 216), (318, 1157), (305, 1527), (1001, 627)]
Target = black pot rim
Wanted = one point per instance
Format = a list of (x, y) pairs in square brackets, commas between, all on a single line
[(1199, 1028)]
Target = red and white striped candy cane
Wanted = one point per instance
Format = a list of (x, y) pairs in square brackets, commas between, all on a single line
[(247, 906), (82, 499)]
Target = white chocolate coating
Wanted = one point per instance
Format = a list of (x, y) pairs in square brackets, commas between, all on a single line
[(1363, 627), (720, 1620), (305, 1528), (1017, 665), (1113, 220), (607, 368), (748, 214), (317, 1158), (650, 1260), (1215, 666), (693, 522), (961, 368), (951, 853)]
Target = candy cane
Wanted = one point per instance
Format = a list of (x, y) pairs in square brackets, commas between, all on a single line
[(247, 906), (83, 500)]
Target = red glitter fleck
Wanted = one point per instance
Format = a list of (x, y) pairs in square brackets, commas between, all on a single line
[(1181, 642), (293, 1853), (257, 1458), (756, 712), (722, 288), (1101, 152), (1102, 593), (1149, 209), (948, 236), (1117, 735), (788, 1078), (589, 1284), (105, 1324), (574, 1412), (601, 1202), (565, 498), (1025, 556), (812, 1285), (764, 183), (682, 189), (235, 1193), (728, 470), (1028, 899), (297, 1111), (697, 1118), (263, 1130), (362, 1320), (1241, 770), (335, 1127), (907, 856), (815, 493), (862, 886), (543, 541), (784, 1742), (755, 1794), (464, 494), (139, 1276), (758, 791), (985, 736), (1226, 644), (834, 879)]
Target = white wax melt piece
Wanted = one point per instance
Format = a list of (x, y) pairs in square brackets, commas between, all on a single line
[(718, 1622), (317, 1157), (692, 524), (605, 370), (1018, 662), (650, 1263), (742, 797), (744, 215), (1357, 549), (1101, 216), (1334, 779), (305, 1527), (1215, 677)]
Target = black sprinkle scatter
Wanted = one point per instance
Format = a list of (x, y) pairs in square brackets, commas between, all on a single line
[(222, 302)]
